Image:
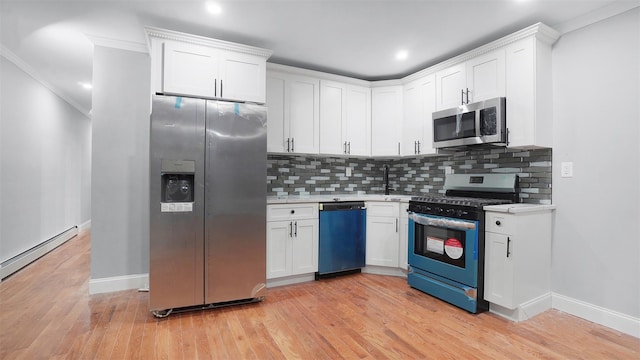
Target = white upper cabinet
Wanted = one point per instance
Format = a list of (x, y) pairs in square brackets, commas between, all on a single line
[(190, 69), (184, 64), (242, 77), (450, 87), (293, 103), (528, 92), (486, 76), (345, 118), (386, 120), (477, 79), (417, 125)]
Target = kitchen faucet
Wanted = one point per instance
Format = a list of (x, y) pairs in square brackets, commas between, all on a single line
[(385, 178)]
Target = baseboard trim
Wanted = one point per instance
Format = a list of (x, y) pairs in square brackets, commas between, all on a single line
[(384, 270), (524, 311), (118, 283), (85, 226), (19, 261), (290, 280), (597, 314)]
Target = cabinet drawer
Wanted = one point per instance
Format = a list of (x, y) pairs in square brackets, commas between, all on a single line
[(388, 209), (500, 223), (292, 211)]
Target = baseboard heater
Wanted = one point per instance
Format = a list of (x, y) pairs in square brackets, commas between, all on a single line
[(23, 259)]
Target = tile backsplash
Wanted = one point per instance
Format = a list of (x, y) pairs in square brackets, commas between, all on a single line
[(316, 175)]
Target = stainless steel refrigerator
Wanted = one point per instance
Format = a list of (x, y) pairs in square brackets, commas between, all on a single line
[(208, 203)]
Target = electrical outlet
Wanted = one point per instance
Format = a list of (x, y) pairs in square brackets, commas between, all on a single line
[(566, 169), (348, 171)]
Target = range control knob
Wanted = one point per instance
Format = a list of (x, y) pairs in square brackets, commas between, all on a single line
[(459, 212)]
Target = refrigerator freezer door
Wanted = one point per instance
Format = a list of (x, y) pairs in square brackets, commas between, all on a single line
[(175, 234), (235, 197)]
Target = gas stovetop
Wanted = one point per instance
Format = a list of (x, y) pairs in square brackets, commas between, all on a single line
[(460, 201)]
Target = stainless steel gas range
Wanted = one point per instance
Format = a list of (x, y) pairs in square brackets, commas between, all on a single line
[(446, 237)]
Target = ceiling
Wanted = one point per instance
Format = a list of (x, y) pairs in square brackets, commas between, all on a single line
[(357, 38)]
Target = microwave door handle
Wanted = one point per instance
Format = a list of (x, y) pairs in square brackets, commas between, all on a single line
[(478, 121)]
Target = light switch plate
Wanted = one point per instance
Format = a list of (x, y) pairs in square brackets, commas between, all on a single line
[(566, 169)]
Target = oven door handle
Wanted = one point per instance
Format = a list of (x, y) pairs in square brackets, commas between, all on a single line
[(441, 221)]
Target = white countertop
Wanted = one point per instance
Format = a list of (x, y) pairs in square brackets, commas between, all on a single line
[(337, 197), (519, 208)]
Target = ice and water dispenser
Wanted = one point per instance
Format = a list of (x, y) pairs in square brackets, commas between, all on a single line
[(177, 185)]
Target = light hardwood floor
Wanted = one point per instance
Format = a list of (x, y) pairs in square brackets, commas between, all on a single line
[(48, 314)]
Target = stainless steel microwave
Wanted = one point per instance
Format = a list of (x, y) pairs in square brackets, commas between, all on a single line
[(482, 122)]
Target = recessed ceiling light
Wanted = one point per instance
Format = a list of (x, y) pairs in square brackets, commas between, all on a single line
[(85, 85), (213, 8), (402, 55)]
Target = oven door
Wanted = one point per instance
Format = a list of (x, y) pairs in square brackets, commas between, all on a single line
[(447, 247)]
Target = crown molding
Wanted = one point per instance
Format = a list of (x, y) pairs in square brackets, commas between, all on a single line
[(29, 70), (154, 32), (118, 44), (540, 31)]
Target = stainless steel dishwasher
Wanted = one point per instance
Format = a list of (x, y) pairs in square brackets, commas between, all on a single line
[(342, 238)]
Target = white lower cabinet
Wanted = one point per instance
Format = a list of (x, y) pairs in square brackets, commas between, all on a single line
[(383, 233), (292, 239), (518, 261)]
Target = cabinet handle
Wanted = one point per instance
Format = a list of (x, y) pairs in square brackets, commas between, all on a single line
[(415, 147), (291, 229), (344, 148), (215, 87), (498, 222), (221, 90), (461, 96), (396, 224), (292, 145), (288, 145), (398, 148), (296, 230), (349, 144), (508, 245), (418, 147), (467, 91)]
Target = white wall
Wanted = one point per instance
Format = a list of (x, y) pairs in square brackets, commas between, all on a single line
[(120, 157), (596, 248), (44, 176)]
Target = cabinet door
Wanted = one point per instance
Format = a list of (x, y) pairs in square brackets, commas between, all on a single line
[(486, 76), (190, 69), (302, 114), (520, 92), (358, 127), (450, 83), (278, 249), (304, 257), (417, 126), (499, 268), (428, 100), (382, 241), (386, 117), (276, 131), (411, 122), (242, 77), (333, 113)]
